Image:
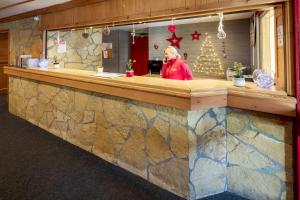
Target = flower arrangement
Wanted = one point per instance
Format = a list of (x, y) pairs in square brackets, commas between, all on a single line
[(55, 60), (130, 64), (238, 69)]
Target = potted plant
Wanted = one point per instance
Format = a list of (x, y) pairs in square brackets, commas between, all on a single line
[(55, 62), (129, 69), (238, 79)]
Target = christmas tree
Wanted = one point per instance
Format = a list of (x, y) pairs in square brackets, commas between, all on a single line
[(208, 62)]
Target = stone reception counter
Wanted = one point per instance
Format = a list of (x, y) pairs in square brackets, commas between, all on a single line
[(194, 138)]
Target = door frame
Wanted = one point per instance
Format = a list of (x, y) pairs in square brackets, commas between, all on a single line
[(4, 90)]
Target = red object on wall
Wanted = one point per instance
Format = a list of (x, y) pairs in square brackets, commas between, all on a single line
[(140, 53), (175, 40), (172, 28), (196, 35), (297, 84)]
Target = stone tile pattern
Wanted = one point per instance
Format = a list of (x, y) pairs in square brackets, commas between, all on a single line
[(24, 34), (192, 154), (259, 155), (207, 152), (82, 53), (148, 140)]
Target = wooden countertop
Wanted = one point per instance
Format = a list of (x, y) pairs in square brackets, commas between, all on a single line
[(189, 95)]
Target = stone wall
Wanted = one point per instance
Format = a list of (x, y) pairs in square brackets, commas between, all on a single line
[(82, 53), (146, 139), (260, 153), (25, 38), (190, 153), (207, 152)]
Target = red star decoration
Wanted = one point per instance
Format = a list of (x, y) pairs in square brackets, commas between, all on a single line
[(175, 40), (196, 35)]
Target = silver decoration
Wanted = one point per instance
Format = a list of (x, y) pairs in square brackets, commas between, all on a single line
[(221, 33), (262, 79), (133, 33)]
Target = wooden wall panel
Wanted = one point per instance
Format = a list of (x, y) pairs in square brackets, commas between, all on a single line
[(110, 11)]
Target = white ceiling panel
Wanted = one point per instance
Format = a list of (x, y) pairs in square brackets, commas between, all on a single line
[(26, 7)]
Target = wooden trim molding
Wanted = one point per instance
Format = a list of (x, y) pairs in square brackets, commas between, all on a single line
[(191, 95)]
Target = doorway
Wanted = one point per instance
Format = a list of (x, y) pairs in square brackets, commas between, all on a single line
[(4, 59)]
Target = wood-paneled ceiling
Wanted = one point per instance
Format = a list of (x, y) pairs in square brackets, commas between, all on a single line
[(14, 7)]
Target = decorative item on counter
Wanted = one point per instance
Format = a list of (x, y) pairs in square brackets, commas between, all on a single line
[(221, 33), (55, 62), (43, 63), (106, 30), (208, 62), (238, 79), (85, 34), (155, 46), (133, 34), (196, 35), (185, 55), (129, 69), (33, 62), (172, 27), (262, 79), (23, 60), (174, 40)]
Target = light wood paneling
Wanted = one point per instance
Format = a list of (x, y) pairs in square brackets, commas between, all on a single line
[(187, 95), (280, 67)]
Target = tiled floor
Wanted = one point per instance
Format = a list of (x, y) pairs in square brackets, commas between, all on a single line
[(37, 165)]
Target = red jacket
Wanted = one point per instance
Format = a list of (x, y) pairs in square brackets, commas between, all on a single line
[(176, 69)]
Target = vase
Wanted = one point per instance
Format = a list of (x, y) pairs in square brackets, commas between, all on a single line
[(56, 66), (129, 73), (239, 82), (100, 70)]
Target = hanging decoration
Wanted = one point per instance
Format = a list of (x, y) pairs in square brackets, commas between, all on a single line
[(133, 34), (185, 55), (174, 40), (208, 62), (221, 33), (172, 27), (106, 30), (85, 34), (196, 35), (155, 46), (224, 50)]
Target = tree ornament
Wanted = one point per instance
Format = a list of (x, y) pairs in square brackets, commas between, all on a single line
[(155, 46), (185, 55), (106, 30), (133, 34), (221, 33), (224, 50), (208, 62), (172, 27), (196, 35), (175, 40)]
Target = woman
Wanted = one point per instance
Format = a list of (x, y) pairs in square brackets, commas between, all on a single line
[(174, 68)]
